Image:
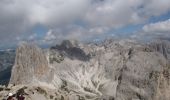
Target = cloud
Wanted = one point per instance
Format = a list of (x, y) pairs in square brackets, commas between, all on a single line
[(113, 13), (155, 7), (18, 16), (32, 37), (74, 32), (68, 19), (49, 36), (159, 27), (105, 15), (118, 13)]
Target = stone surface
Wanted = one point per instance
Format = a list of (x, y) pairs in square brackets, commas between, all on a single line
[(30, 65), (111, 70)]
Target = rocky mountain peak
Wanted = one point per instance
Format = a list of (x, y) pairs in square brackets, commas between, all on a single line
[(69, 43), (112, 70), (30, 65), (162, 46)]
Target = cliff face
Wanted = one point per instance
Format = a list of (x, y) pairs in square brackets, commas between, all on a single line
[(161, 46), (113, 70), (30, 65)]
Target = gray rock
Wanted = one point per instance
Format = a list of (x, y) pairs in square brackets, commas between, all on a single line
[(30, 65), (112, 70)]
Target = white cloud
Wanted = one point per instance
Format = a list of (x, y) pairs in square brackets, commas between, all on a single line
[(18, 17), (49, 36), (54, 12), (117, 13), (159, 27), (155, 7), (32, 37), (110, 13)]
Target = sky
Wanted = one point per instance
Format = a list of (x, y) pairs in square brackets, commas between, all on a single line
[(47, 22)]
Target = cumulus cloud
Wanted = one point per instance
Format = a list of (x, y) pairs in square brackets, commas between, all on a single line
[(32, 37), (96, 17), (74, 32), (159, 27), (113, 13), (117, 13), (18, 16), (49, 36), (157, 30)]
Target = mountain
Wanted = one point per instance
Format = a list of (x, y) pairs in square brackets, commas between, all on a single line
[(30, 65), (111, 70), (162, 46), (7, 59)]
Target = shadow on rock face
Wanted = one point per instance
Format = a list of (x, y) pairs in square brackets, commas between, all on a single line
[(77, 53), (5, 76), (71, 51), (7, 59)]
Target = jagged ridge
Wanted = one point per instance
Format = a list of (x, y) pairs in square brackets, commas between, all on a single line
[(119, 70)]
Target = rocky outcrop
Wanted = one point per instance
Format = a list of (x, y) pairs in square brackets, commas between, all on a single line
[(111, 70), (30, 65), (162, 46), (71, 49)]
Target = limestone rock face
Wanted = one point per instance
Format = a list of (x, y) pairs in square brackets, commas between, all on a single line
[(111, 70), (30, 65), (161, 46)]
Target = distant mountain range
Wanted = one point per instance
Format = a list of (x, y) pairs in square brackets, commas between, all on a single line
[(7, 58)]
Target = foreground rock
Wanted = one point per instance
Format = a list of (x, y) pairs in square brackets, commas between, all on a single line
[(112, 70)]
